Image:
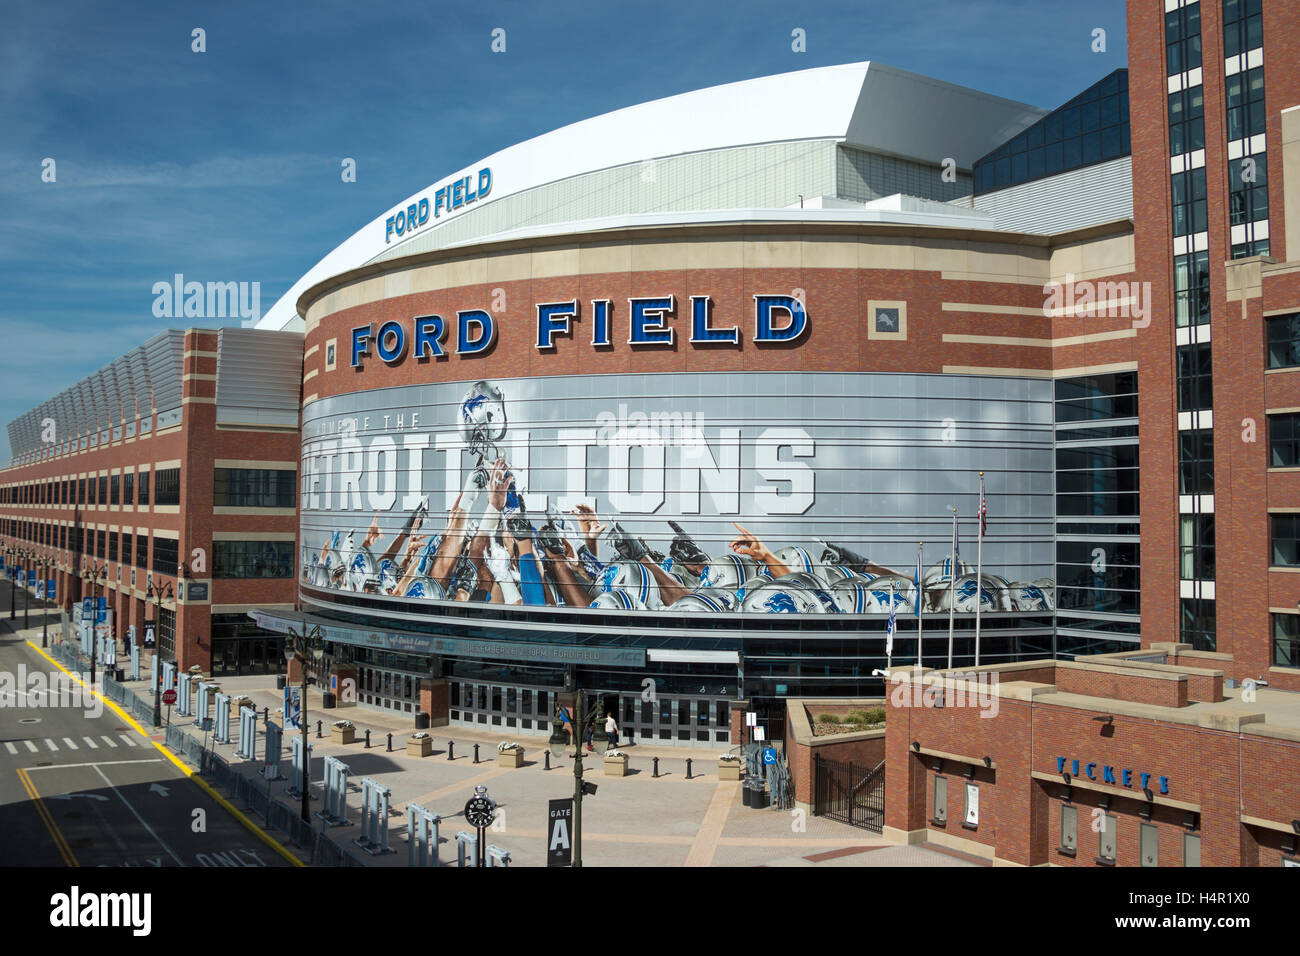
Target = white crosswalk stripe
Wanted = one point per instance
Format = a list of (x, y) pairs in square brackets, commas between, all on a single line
[(90, 743), (30, 746), (51, 744), (128, 741), (10, 747), (72, 744), (107, 739)]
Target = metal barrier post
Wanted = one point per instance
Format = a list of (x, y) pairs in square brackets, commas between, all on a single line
[(135, 662), (168, 675), (247, 734), (221, 726), (421, 836), (374, 818), (202, 699), (335, 811), (466, 846), (296, 758), (497, 856), (273, 746), (183, 695)]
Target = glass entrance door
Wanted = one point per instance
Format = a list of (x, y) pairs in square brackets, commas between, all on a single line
[(668, 718), (511, 707)]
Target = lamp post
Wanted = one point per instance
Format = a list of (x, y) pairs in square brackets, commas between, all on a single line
[(45, 610), (157, 595), (11, 556), (581, 718), (95, 575), (304, 643), (27, 556)]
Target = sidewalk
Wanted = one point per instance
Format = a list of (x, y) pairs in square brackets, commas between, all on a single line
[(637, 820)]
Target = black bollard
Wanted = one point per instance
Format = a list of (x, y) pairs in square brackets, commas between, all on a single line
[(390, 743), (318, 729), (688, 768), (656, 773), (548, 760), (266, 715), (451, 750), (476, 753), (367, 739)]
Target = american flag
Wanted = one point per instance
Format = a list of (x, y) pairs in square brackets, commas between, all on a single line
[(889, 631), (984, 512)]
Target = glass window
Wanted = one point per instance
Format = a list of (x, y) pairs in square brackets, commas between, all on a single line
[(167, 486), (142, 550), (1107, 834), (1195, 377), (252, 559), (1069, 828), (1196, 462), (1248, 189), (1150, 845), (1196, 623), (1283, 335), (1196, 547), (115, 490), (128, 488), (1286, 640), (165, 556), (1192, 288), (253, 488), (1285, 536), (144, 488), (1284, 441)]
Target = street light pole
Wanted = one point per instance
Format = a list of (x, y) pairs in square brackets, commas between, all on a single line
[(579, 724), (304, 644)]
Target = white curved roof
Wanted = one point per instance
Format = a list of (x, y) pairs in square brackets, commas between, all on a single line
[(868, 105)]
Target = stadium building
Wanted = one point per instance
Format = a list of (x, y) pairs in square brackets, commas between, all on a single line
[(677, 403)]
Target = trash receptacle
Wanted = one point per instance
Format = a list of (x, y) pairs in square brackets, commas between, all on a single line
[(747, 795), (421, 720), (759, 801), (328, 700), (280, 682)]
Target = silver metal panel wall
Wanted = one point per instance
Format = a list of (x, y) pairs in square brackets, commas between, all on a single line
[(259, 376), (1073, 200)]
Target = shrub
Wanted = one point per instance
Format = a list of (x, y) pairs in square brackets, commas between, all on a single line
[(827, 719)]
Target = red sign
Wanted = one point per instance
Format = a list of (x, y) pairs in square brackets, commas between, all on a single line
[(169, 697)]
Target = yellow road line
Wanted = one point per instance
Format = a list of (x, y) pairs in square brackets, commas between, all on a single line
[(64, 850), (715, 818), (182, 766)]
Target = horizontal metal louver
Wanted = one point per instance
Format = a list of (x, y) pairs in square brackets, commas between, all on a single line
[(259, 376)]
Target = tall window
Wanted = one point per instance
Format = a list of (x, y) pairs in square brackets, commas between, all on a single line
[(1285, 535), (1183, 39), (165, 556), (254, 488), (1248, 189), (128, 488), (1195, 377), (1243, 26), (1196, 547), (1245, 96), (1189, 201), (144, 488), (102, 499), (1284, 441), (1187, 120), (1286, 640), (142, 550), (1283, 335), (1196, 462), (1192, 288), (167, 487), (115, 490), (1197, 623)]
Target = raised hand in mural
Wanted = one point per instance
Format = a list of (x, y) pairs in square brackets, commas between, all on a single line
[(749, 544)]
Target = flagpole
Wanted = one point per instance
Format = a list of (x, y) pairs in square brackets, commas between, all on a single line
[(920, 597), (979, 573), (952, 584)]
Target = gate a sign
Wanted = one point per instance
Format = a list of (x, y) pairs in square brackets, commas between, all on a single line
[(148, 635), (559, 833)]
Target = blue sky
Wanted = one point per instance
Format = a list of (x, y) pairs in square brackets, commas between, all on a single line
[(225, 165)]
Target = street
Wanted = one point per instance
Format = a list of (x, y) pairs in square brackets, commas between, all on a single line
[(82, 786)]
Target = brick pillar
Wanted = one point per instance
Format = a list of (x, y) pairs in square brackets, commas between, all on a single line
[(905, 774), (435, 700)]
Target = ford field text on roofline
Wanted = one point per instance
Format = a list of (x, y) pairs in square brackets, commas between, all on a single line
[(452, 196), (649, 319)]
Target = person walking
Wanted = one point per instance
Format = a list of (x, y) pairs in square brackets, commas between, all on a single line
[(611, 729)]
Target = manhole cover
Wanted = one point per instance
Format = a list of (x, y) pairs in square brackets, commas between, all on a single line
[(30, 720)]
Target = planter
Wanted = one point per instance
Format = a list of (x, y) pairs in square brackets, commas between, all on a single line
[(510, 758), (616, 766), (343, 735), (730, 769), (419, 747)]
